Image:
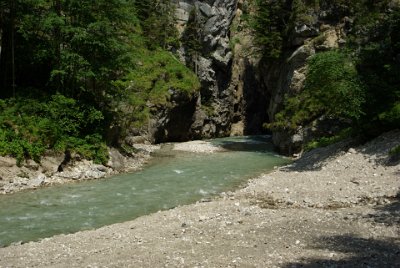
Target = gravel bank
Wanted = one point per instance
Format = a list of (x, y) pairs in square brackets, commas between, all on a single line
[(197, 147), (332, 208)]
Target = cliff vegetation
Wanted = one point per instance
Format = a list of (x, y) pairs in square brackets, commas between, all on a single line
[(77, 75), (356, 83)]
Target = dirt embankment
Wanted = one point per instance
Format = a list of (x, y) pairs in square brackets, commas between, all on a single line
[(331, 208), (63, 168)]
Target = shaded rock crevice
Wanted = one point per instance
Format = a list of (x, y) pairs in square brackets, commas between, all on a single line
[(240, 89), (326, 29), (231, 99)]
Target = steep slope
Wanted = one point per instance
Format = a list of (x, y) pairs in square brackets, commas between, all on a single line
[(248, 71), (230, 102), (240, 90)]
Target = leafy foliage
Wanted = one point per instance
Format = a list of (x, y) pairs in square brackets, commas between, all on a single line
[(274, 21), (80, 46), (395, 151), (160, 73), (340, 94), (379, 69), (156, 76), (94, 66), (157, 18), (269, 24), (29, 127), (358, 84)]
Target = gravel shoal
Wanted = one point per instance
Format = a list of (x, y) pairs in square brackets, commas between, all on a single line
[(197, 147)]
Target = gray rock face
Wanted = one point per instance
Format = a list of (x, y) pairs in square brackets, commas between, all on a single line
[(287, 74), (214, 68), (238, 92), (227, 86), (173, 122)]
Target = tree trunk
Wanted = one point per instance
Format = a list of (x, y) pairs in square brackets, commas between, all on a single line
[(13, 12), (7, 57), (57, 46)]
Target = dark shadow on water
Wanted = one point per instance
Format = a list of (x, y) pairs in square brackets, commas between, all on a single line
[(246, 144), (364, 252)]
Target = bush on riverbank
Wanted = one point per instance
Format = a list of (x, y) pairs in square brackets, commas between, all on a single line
[(29, 127), (339, 95)]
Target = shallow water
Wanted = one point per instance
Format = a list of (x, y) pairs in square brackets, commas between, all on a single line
[(171, 179)]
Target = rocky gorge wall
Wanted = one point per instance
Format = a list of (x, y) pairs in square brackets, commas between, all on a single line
[(326, 29), (230, 101), (241, 90)]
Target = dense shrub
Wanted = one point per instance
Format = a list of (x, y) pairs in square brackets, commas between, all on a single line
[(363, 89), (108, 59), (332, 88), (29, 127)]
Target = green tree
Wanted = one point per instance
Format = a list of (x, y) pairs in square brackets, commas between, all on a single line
[(157, 19), (268, 23), (8, 17), (191, 40), (333, 88), (83, 69), (79, 46), (378, 51)]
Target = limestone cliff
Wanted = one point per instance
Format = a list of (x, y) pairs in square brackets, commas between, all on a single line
[(325, 29), (241, 90), (231, 101)]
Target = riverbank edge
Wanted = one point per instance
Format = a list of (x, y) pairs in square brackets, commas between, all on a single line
[(334, 207), (53, 169), (31, 175)]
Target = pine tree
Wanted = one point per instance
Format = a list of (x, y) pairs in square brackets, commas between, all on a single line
[(8, 14), (191, 39), (68, 46), (268, 23), (157, 19)]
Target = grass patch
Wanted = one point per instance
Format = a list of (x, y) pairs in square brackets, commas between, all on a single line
[(395, 151)]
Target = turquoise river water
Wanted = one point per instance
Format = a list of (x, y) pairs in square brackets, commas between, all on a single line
[(170, 179)]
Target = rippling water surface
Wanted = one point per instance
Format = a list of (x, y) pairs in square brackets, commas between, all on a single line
[(171, 179)]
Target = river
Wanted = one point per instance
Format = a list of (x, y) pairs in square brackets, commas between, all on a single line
[(171, 179)]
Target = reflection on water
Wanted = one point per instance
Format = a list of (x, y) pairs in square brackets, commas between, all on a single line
[(249, 143), (171, 179)]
